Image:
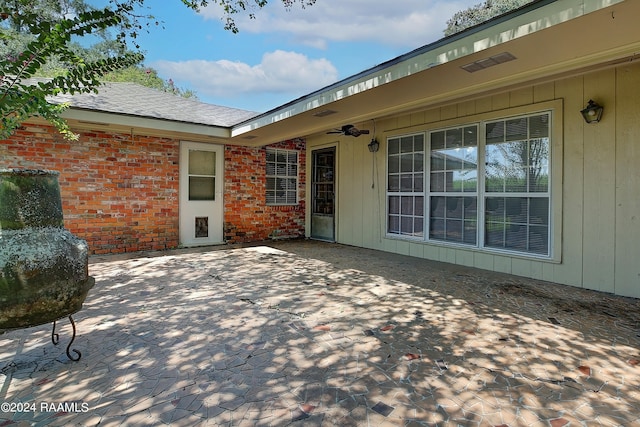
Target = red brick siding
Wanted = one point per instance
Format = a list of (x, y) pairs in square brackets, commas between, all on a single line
[(119, 193), (247, 217)]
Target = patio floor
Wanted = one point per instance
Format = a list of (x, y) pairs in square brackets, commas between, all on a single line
[(306, 333)]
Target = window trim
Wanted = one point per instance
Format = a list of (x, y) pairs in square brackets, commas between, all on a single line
[(555, 108), (297, 176)]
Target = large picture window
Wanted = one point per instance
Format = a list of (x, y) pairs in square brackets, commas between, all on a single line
[(282, 177), (488, 185)]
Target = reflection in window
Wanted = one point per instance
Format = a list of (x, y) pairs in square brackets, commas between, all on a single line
[(454, 185)]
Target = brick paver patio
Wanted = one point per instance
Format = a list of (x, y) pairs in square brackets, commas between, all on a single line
[(311, 334)]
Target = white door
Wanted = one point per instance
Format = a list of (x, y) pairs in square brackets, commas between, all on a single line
[(201, 209)]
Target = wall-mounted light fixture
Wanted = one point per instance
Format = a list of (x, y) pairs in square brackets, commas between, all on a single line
[(592, 113), (374, 145)]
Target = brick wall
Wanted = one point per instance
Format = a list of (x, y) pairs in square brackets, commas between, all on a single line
[(119, 193), (247, 217)]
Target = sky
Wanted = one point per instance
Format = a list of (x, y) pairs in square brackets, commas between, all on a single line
[(283, 54)]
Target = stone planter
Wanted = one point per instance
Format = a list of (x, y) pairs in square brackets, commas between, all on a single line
[(43, 267)]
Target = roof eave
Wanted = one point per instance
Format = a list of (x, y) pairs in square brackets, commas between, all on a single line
[(529, 19), (98, 119)]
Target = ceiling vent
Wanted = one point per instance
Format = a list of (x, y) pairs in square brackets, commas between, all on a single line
[(481, 64), (324, 113)]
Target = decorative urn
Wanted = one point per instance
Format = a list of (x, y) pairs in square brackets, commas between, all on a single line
[(43, 267)]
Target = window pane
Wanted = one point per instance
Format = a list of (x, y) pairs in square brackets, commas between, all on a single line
[(437, 207), (418, 162), (453, 230), (202, 188), (394, 164), (394, 205), (394, 183), (406, 144), (454, 138), (494, 181), (394, 224), (418, 182), (418, 226), (437, 181), (518, 223), (506, 166), (418, 142), (539, 240), (470, 207), (271, 156), (539, 165), (516, 209), (495, 132), (471, 136), (515, 237), (539, 211), (494, 209), (470, 181), (271, 183), (292, 197), (437, 161), (406, 205), (406, 163), (406, 225), (539, 126), (436, 229), (271, 168), (437, 140), (418, 209), (456, 181), (271, 197), (406, 182), (454, 207), (516, 129), (470, 232), (494, 234), (394, 146), (202, 162)]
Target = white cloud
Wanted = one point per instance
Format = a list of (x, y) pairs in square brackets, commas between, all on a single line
[(278, 72), (329, 25), (408, 23)]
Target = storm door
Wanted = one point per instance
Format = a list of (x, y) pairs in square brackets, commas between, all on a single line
[(201, 209), (323, 194)]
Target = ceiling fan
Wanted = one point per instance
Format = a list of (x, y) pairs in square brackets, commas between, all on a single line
[(350, 130)]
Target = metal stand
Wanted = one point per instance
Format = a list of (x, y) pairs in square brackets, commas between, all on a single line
[(55, 339)]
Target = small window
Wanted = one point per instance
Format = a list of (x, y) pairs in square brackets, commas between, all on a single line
[(282, 177)]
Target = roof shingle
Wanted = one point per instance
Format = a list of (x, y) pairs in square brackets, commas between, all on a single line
[(136, 100)]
